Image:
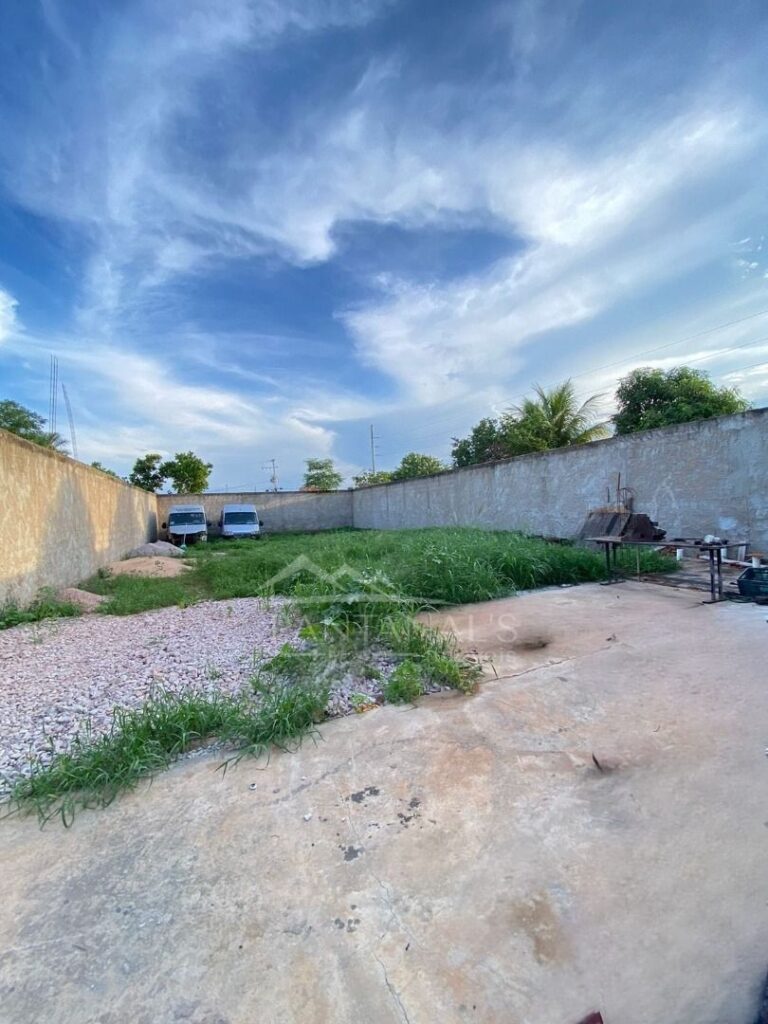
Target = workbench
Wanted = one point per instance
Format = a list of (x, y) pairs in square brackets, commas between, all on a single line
[(611, 545)]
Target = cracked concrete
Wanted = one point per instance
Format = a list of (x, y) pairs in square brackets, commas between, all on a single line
[(500, 876)]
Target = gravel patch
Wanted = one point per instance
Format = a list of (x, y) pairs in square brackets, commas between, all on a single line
[(58, 674)]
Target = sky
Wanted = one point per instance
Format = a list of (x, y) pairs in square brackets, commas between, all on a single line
[(255, 228)]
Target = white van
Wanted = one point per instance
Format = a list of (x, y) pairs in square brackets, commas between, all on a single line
[(240, 521), (186, 524)]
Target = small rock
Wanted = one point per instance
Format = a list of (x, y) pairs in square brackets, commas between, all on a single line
[(308, 817), (158, 547)]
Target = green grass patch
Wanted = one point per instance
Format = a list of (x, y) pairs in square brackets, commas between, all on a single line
[(144, 741), (387, 577), (404, 685), (131, 594), (45, 607), (429, 567)]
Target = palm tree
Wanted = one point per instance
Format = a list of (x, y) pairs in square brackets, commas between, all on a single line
[(50, 439), (554, 419)]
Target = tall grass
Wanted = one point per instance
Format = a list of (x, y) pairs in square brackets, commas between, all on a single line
[(144, 741), (434, 566)]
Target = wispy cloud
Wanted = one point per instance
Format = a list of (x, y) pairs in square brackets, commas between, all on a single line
[(193, 148), (7, 314)]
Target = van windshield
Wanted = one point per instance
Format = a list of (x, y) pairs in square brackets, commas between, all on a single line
[(186, 519), (239, 518)]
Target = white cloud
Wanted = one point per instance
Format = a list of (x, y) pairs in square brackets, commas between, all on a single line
[(599, 216), (600, 234), (8, 320)]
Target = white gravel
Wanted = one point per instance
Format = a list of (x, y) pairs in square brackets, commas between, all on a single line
[(58, 674)]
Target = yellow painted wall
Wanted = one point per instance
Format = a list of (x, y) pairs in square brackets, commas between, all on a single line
[(60, 520)]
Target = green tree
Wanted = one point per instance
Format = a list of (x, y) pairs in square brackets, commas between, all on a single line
[(147, 472), (483, 444), (650, 398), (30, 425), (369, 479), (553, 419), (103, 469), (321, 476), (414, 465), (188, 473)]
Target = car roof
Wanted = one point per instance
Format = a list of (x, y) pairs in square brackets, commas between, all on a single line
[(238, 508), (187, 508)]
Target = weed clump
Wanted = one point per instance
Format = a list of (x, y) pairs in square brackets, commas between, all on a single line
[(146, 740), (404, 686), (46, 606)]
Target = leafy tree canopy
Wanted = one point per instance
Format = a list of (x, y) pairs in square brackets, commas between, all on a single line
[(27, 424), (321, 475), (552, 419), (414, 465), (188, 473), (650, 398), (147, 472), (369, 479)]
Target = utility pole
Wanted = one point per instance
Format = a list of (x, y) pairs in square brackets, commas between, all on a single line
[(373, 451), (272, 463), (53, 394), (72, 434)]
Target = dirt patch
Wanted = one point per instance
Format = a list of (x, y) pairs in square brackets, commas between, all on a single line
[(84, 599), (145, 566)]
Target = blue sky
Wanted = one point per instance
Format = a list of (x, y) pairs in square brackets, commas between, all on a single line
[(254, 227)]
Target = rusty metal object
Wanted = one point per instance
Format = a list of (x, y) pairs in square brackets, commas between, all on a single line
[(621, 524)]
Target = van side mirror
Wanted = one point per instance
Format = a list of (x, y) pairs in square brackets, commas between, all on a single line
[(163, 526), (208, 524), (261, 522)]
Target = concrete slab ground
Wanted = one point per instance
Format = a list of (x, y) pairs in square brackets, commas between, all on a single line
[(462, 861)]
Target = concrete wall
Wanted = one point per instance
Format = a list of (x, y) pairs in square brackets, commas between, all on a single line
[(696, 478), (60, 520), (281, 512)]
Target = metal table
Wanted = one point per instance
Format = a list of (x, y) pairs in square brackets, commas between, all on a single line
[(611, 544)]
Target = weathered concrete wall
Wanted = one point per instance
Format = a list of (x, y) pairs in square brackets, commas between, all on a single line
[(60, 520), (281, 512), (696, 478)]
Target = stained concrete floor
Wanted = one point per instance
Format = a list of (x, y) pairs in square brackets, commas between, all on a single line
[(464, 861)]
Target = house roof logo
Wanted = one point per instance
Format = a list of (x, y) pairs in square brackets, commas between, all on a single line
[(346, 582)]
